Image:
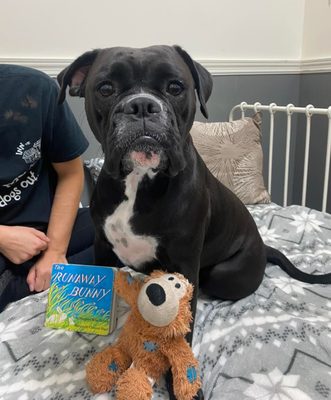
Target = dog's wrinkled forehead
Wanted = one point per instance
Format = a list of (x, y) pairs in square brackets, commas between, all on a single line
[(131, 66), (147, 66)]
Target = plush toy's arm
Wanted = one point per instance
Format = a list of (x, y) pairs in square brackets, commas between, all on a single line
[(127, 287), (184, 367)]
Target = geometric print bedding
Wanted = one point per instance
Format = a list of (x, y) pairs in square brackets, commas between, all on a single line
[(272, 345)]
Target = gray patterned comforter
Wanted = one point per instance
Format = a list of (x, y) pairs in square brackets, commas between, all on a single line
[(272, 345)]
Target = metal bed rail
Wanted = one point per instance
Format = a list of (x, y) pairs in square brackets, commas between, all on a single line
[(290, 110)]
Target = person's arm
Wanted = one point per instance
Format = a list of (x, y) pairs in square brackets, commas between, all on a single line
[(63, 213)]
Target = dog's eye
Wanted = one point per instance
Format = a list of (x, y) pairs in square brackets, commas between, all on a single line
[(177, 286), (171, 278), (106, 89), (175, 88)]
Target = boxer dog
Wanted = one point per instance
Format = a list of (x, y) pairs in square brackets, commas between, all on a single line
[(155, 204)]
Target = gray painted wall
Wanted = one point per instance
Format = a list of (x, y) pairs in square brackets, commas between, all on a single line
[(281, 89)]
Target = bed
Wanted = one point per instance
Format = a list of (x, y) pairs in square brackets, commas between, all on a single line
[(274, 344)]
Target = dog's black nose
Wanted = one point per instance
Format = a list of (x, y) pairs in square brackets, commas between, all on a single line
[(142, 107), (156, 294)]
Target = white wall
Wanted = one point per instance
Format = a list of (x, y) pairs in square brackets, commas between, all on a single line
[(317, 30), (208, 29)]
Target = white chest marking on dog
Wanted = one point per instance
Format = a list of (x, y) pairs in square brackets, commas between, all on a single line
[(131, 249)]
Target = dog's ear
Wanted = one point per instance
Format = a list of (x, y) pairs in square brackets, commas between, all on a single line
[(202, 79), (75, 75)]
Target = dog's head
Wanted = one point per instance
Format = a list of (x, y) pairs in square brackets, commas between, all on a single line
[(140, 104)]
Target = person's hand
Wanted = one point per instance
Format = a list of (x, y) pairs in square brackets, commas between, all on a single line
[(39, 276), (20, 243)]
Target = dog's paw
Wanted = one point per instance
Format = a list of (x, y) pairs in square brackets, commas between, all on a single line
[(169, 385), (199, 395)]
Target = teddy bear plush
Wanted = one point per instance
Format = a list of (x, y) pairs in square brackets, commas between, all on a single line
[(151, 342)]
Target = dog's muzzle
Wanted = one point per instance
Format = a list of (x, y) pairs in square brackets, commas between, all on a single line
[(144, 137), (144, 152)]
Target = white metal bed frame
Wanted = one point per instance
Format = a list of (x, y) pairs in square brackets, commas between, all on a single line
[(290, 109)]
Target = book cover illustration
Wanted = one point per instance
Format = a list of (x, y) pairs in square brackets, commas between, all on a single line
[(82, 298)]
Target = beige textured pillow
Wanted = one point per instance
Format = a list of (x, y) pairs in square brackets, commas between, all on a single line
[(233, 153)]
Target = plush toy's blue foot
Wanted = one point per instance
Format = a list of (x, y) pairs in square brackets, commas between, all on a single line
[(169, 384)]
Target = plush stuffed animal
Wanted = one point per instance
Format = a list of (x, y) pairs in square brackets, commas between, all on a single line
[(151, 341)]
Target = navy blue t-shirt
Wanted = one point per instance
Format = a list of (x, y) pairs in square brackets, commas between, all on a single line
[(34, 132)]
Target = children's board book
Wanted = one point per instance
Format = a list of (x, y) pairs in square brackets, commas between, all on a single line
[(82, 298)]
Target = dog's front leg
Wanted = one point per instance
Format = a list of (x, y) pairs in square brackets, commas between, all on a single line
[(193, 277), (103, 253)]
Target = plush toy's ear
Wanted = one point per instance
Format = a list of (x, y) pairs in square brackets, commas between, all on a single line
[(75, 75), (202, 79)]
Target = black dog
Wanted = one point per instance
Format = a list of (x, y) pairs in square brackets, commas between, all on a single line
[(155, 204)]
